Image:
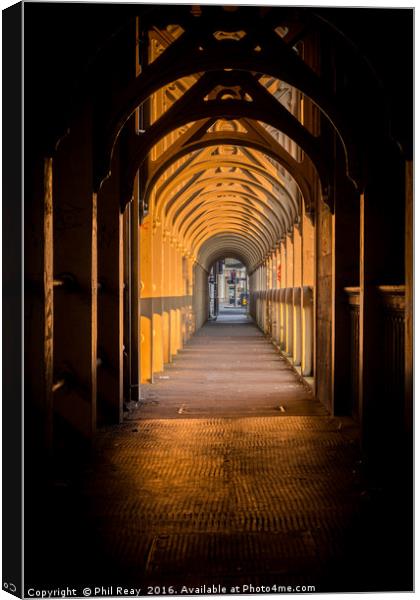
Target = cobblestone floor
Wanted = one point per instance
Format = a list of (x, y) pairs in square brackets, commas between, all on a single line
[(208, 482)]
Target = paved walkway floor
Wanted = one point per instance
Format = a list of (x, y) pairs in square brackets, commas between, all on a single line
[(228, 473), (228, 369)]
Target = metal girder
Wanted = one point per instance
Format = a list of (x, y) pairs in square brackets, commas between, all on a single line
[(242, 206), (271, 202), (301, 183), (233, 239), (231, 210), (197, 167), (258, 139), (264, 107), (234, 228), (197, 50), (240, 223), (221, 244)]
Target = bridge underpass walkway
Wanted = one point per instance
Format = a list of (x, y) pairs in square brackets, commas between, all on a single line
[(209, 482), (231, 473), (228, 369)]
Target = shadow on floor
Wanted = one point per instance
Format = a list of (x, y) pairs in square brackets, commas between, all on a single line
[(210, 482)]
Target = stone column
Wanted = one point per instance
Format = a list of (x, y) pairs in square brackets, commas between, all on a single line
[(75, 258), (39, 304), (135, 294), (307, 331), (323, 305), (110, 300), (146, 301), (353, 296), (392, 299), (166, 323), (308, 283), (157, 294), (297, 297)]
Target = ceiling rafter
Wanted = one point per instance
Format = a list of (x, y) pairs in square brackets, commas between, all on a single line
[(276, 206), (261, 50), (192, 107), (204, 163), (236, 223), (259, 141), (230, 210)]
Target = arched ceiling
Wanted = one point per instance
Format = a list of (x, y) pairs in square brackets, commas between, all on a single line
[(229, 164), (230, 194)]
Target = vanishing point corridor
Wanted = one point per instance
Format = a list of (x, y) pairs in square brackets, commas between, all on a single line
[(229, 473), (218, 297)]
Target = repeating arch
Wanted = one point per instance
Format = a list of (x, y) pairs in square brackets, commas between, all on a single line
[(248, 210), (237, 110), (270, 55), (269, 202), (237, 223), (198, 166), (222, 244), (167, 187), (245, 207)]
